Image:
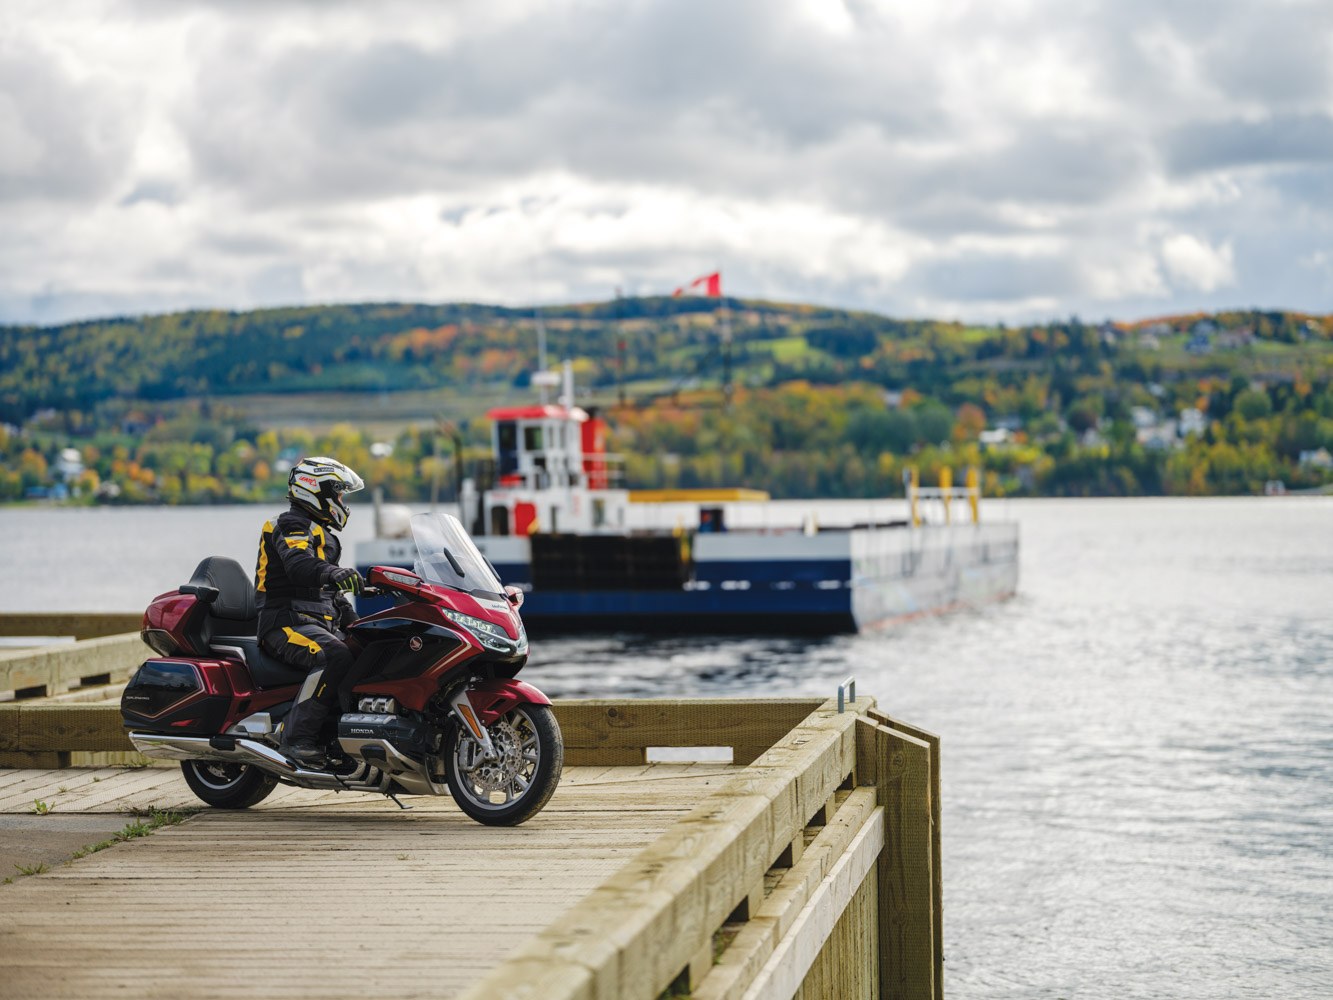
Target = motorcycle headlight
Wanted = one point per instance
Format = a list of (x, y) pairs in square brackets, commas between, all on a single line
[(490, 634)]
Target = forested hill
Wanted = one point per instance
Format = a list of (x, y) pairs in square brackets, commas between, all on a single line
[(826, 402), (360, 347)]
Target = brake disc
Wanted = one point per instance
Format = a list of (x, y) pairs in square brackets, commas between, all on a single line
[(495, 775)]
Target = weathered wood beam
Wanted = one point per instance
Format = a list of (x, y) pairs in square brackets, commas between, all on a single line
[(936, 854), (81, 625), (899, 767), (773, 918), (48, 670)]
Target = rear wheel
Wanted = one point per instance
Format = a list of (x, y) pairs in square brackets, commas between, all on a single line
[(513, 787), (227, 786)]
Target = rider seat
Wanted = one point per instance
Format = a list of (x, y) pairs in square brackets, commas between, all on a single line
[(266, 671)]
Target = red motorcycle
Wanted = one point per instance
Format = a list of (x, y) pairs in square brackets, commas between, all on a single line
[(435, 706)]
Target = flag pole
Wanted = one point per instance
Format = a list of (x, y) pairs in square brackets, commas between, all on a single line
[(726, 345)]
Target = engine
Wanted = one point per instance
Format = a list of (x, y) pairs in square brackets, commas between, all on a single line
[(386, 739)]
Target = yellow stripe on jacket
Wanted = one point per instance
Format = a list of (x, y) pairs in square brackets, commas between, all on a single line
[(262, 573), (297, 639)]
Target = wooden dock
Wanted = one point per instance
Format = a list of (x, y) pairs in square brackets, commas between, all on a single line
[(807, 866)]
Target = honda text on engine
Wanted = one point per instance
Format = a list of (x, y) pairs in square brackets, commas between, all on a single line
[(430, 705)]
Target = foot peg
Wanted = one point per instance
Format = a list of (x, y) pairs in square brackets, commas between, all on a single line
[(307, 756)]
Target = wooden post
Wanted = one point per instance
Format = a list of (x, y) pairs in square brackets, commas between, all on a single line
[(913, 485), (974, 493), (908, 949), (936, 855), (946, 484)]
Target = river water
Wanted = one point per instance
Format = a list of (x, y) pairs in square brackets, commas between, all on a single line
[(1138, 748)]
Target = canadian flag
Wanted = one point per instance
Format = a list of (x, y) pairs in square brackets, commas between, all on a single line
[(711, 284)]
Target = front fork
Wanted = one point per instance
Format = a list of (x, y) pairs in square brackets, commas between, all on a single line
[(462, 708)]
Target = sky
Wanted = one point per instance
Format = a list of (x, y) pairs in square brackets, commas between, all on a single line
[(997, 160)]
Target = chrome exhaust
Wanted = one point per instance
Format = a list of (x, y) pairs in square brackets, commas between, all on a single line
[(234, 750)]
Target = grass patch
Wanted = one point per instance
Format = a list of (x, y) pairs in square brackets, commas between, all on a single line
[(41, 808), (37, 869), (781, 348), (146, 821)]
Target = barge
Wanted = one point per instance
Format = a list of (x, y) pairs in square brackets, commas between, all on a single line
[(593, 557)]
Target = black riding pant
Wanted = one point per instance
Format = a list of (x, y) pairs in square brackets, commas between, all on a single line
[(313, 648)]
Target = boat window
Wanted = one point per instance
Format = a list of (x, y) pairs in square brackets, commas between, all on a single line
[(598, 513), (532, 438), (507, 435), (500, 521)]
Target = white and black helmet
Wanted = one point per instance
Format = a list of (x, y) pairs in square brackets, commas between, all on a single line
[(316, 485)]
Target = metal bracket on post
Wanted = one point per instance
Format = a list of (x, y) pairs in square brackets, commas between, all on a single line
[(849, 687)]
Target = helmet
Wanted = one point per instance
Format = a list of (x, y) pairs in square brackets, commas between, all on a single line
[(316, 485)]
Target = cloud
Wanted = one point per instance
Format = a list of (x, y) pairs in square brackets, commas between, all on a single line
[(1196, 265), (61, 139), (975, 158)]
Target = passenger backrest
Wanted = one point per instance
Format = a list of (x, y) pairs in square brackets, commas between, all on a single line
[(236, 593)]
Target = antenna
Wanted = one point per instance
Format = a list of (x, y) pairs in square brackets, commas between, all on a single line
[(541, 351)]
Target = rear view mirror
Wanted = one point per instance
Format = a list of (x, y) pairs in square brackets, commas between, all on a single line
[(515, 596)]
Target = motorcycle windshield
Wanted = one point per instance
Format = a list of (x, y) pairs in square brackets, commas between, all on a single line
[(446, 555)]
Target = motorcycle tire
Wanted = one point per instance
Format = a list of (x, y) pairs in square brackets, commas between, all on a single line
[(227, 786), (550, 762)]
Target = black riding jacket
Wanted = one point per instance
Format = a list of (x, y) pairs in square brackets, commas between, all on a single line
[(296, 554)]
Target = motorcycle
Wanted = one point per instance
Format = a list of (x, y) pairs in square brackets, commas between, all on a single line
[(431, 705)]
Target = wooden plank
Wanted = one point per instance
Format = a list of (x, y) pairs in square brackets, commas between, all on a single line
[(906, 896), (645, 923), (604, 756), (936, 851), (71, 727), (847, 966), (56, 668), (132, 914), (773, 917), (81, 625), (661, 722), (785, 970), (9, 729)]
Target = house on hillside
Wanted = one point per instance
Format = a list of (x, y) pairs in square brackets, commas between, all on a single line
[(1192, 421), (1232, 340), (1199, 343), (1161, 437), (1318, 458), (1142, 417)]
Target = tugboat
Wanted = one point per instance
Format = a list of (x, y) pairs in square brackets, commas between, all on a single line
[(551, 521)]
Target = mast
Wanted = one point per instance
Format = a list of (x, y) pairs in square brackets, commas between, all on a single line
[(541, 349)]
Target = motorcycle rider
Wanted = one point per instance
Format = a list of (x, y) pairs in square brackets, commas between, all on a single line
[(298, 623)]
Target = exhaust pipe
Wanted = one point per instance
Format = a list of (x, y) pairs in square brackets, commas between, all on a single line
[(234, 750)]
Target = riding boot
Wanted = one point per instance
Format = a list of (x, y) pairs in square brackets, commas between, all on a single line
[(300, 734)]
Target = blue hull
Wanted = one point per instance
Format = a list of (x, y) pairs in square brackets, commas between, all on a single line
[(829, 583)]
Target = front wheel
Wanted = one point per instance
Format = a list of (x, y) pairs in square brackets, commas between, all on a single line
[(227, 786), (515, 785)]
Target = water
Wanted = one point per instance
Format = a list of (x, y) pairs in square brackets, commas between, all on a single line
[(1138, 748)]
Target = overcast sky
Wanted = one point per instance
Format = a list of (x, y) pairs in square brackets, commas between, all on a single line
[(977, 160)]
